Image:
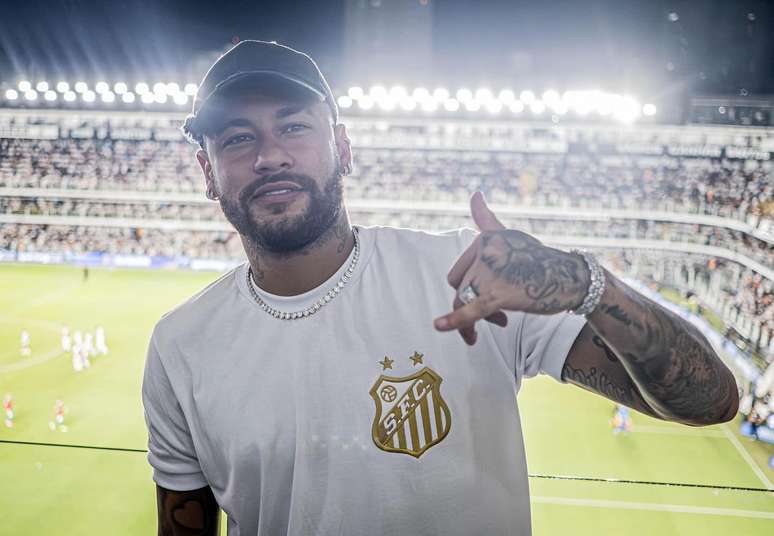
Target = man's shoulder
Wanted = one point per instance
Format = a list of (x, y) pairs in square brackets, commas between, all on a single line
[(403, 238), (200, 308)]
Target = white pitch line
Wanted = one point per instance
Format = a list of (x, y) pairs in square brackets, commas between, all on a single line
[(746, 455), (30, 362), (676, 508), (678, 431)]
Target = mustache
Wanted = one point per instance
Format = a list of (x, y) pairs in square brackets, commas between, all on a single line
[(304, 181)]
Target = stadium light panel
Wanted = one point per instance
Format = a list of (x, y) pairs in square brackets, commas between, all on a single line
[(377, 92), (472, 105), (50, 95), (516, 107), (180, 99), (365, 102), (494, 107), (172, 88), (537, 107), (429, 105), (398, 92), (464, 95), (160, 98), (42, 87), (160, 88), (24, 86), (69, 96), (81, 87), (101, 87), (506, 96), (141, 88), (386, 103), (89, 96), (440, 94), (11, 94), (550, 96), (559, 107), (108, 96), (355, 92), (120, 88), (451, 105), (649, 109), (408, 104), (420, 94), (190, 89), (345, 101), (148, 98), (128, 97), (31, 95), (527, 97), (483, 95), (62, 87)]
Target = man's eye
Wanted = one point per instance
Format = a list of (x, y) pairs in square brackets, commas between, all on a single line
[(294, 128), (236, 139)]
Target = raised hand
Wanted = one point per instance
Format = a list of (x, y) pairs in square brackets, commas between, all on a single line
[(509, 270)]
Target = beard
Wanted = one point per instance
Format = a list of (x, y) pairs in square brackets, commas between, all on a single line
[(295, 233)]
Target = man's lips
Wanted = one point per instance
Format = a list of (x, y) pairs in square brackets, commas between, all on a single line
[(279, 188)]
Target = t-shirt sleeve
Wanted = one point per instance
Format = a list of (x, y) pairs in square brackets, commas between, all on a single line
[(171, 450), (545, 341)]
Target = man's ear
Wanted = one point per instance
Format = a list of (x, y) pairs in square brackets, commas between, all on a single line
[(344, 147), (204, 163)]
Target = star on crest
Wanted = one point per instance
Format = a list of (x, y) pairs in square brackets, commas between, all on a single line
[(387, 363), (416, 358)]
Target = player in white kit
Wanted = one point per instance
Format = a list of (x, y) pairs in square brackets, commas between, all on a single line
[(26, 351)]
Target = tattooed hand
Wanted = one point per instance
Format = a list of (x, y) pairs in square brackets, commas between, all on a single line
[(511, 270)]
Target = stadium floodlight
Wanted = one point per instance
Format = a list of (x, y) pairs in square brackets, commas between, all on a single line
[(42, 87), (101, 87), (527, 97), (25, 86), (451, 105), (148, 98), (494, 106), (81, 87), (190, 89), (537, 107), (11, 94), (550, 96), (180, 99), (429, 105), (62, 87), (160, 88), (516, 107), (119, 88), (108, 96), (89, 96), (420, 94), (440, 94), (31, 95), (627, 109), (128, 97), (386, 103), (377, 92), (159, 98), (50, 95), (649, 109), (464, 95), (141, 88), (398, 92), (365, 102), (472, 105), (408, 104), (559, 107), (345, 101), (355, 92), (172, 88), (69, 96), (483, 95), (506, 96)]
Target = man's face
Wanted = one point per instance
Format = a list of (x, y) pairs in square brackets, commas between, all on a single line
[(276, 166)]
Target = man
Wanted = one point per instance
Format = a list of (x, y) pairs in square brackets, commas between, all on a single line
[(311, 391)]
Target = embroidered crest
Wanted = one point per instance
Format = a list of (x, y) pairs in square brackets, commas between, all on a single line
[(411, 416)]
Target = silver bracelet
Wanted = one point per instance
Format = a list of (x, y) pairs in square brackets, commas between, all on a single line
[(596, 287)]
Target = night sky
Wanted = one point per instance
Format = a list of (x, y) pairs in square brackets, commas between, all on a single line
[(713, 47)]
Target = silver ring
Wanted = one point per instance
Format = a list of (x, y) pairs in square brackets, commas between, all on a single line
[(468, 294)]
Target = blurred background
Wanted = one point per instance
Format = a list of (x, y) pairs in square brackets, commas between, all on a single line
[(639, 130)]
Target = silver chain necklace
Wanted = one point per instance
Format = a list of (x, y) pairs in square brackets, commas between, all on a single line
[(319, 304)]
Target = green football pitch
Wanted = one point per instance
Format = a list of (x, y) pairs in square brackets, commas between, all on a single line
[(49, 488)]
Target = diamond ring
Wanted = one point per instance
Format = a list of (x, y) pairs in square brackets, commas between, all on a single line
[(468, 294)]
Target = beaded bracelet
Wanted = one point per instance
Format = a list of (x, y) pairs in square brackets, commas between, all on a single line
[(596, 287)]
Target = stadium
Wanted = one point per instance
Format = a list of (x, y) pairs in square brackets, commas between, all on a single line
[(105, 226)]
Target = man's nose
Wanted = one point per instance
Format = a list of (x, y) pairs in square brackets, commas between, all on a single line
[(272, 158)]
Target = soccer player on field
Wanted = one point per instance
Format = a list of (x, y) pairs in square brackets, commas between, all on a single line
[(100, 344), (66, 339), (316, 389), (8, 409), (26, 351)]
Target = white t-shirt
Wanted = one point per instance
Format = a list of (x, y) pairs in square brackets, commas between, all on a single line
[(360, 419)]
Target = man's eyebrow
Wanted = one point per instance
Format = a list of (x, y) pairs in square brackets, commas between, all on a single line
[(238, 122), (290, 110)]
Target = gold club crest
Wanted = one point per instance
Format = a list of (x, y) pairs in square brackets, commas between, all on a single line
[(411, 416)]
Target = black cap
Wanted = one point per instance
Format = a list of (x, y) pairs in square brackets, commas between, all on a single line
[(260, 61)]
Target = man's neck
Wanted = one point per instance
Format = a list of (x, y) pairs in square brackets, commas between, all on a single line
[(290, 275)]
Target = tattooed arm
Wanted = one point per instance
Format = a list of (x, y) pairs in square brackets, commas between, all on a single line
[(632, 351), (187, 513), (671, 371)]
